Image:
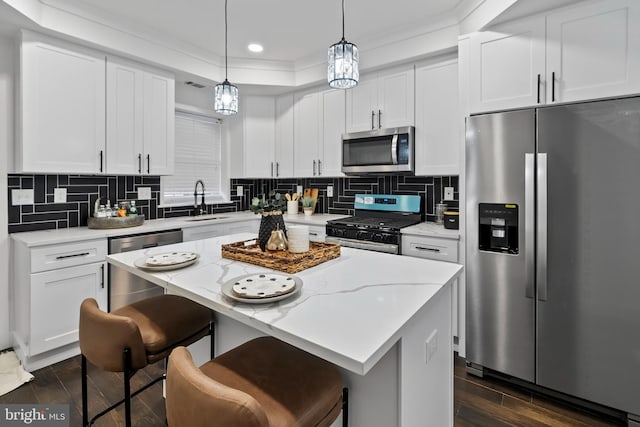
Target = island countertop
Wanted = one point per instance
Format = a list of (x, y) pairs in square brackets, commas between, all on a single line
[(351, 310)]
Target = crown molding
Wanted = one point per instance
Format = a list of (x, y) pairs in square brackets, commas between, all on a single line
[(119, 37)]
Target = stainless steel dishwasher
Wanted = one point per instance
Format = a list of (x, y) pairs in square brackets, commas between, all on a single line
[(124, 287)]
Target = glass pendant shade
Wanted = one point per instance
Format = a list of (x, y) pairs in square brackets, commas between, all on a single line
[(342, 72), (226, 98)]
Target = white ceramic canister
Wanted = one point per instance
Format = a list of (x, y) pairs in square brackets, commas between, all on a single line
[(292, 207), (298, 236)]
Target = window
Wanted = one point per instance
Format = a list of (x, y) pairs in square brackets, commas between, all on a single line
[(198, 155)]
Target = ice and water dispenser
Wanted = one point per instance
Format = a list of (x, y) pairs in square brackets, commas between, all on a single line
[(498, 228)]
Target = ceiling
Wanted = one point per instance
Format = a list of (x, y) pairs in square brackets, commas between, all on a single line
[(289, 30)]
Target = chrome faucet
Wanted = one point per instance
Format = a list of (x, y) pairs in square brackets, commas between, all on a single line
[(203, 206)]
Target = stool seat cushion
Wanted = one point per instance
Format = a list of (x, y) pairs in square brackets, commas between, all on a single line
[(167, 321), (293, 387)]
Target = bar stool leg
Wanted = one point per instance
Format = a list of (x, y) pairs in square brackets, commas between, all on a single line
[(345, 407), (127, 386), (85, 409), (213, 336)]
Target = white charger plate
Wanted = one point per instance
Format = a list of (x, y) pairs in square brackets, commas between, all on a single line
[(227, 289), (141, 263), (170, 258)]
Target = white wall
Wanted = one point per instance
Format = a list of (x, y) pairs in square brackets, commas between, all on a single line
[(7, 72)]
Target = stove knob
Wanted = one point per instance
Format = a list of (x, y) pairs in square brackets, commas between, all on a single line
[(362, 235)]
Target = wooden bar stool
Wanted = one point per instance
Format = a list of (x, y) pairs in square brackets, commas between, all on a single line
[(262, 383), (136, 335)]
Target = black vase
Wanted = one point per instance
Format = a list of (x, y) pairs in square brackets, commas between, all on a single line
[(269, 223)]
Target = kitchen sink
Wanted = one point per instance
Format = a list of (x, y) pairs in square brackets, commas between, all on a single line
[(205, 218)]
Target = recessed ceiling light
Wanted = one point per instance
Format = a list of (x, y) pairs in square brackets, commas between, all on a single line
[(255, 47)]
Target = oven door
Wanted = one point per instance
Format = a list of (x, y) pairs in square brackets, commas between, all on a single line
[(378, 151)]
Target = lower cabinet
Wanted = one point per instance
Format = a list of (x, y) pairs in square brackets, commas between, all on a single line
[(438, 249), (49, 284)]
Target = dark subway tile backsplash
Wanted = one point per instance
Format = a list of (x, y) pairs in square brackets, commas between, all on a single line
[(82, 191)]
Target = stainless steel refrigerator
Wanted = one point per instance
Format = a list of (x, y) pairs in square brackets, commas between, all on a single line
[(553, 248)]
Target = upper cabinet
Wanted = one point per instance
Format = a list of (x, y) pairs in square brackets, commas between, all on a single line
[(319, 122), (609, 66), (81, 112), (382, 100), (284, 137), (558, 57), (507, 66), (140, 119), (62, 108), (438, 119)]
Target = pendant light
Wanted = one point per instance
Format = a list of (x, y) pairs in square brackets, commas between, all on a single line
[(342, 72), (225, 94)]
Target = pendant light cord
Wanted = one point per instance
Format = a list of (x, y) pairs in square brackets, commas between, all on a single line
[(342, 19), (226, 61)]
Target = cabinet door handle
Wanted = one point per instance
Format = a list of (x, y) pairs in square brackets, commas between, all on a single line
[(277, 169), (101, 159), (314, 168), (102, 276), (312, 234), (148, 163), (553, 86), (60, 257), (424, 248), (538, 88), (373, 116), (139, 162), (271, 169), (379, 119), (319, 167)]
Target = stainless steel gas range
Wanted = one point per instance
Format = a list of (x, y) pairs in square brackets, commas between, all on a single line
[(377, 222)]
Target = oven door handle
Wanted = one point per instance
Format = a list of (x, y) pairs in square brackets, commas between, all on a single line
[(362, 244), (394, 149)]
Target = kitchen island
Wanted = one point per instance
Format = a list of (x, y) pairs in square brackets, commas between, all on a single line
[(385, 320)]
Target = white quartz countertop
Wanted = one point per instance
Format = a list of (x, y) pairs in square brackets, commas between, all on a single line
[(431, 229), (350, 311), (65, 235)]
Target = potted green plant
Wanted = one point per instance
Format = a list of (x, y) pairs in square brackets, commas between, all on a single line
[(270, 207), (307, 205)]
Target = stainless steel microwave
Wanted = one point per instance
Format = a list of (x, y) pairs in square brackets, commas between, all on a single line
[(379, 151)]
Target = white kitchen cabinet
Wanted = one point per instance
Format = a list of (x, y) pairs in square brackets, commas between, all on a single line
[(333, 126), (49, 284), (317, 233), (593, 51), (382, 100), (438, 119), (307, 118), (61, 114), (257, 136), (284, 140), (438, 249), (207, 231), (159, 123), (140, 119), (508, 66), (319, 122), (557, 57)]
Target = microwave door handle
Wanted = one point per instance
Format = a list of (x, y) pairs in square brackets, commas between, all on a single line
[(394, 149)]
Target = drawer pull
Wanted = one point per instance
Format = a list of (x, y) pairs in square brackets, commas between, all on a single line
[(423, 248), (312, 234), (72, 256)]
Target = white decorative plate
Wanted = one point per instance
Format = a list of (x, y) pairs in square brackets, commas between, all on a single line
[(170, 258), (284, 286), (141, 263)]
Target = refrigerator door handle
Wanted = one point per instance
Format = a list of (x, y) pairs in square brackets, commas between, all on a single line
[(541, 267), (529, 232)]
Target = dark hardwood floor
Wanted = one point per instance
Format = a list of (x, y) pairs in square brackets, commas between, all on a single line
[(478, 402)]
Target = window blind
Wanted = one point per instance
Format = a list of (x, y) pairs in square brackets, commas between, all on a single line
[(198, 154)]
